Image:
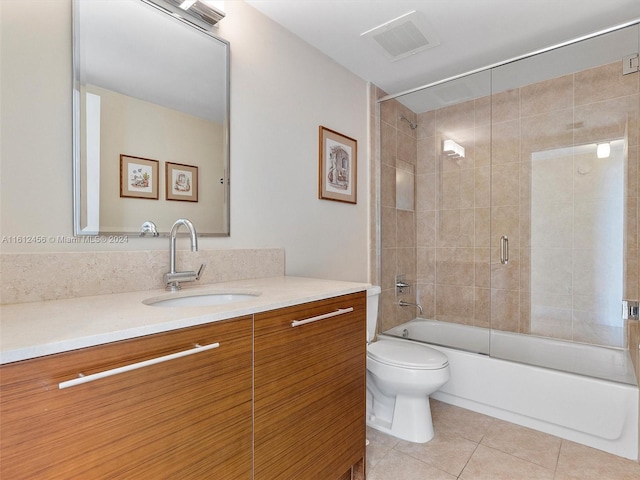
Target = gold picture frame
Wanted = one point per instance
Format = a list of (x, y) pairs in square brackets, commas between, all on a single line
[(138, 177), (181, 182), (338, 162)]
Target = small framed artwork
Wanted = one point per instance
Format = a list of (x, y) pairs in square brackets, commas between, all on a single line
[(138, 177), (338, 166), (182, 182)]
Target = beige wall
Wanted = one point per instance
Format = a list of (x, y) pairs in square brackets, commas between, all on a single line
[(281, 91), (168, 136), (464, 206)]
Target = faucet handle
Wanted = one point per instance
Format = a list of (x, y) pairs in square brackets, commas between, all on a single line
[(199, 274)]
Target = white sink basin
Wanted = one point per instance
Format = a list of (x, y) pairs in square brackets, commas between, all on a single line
[(199, 299)]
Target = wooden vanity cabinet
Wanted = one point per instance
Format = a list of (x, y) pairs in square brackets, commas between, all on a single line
[(185, 418), (309, 390)]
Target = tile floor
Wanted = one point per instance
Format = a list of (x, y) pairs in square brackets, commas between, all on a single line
[(472, 446)]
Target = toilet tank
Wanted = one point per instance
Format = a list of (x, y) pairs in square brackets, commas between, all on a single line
[(373, 297)]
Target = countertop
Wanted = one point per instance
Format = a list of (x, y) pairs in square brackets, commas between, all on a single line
[(29, 330)]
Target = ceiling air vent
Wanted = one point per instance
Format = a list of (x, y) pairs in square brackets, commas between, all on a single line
[(402, 36)]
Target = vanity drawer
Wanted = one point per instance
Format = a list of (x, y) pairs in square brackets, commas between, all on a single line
[(186, 416), (309, 395)]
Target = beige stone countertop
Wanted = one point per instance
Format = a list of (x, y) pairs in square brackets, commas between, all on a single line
[(29, 330)]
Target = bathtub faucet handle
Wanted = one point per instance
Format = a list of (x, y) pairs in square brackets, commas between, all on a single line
[(401, 285)]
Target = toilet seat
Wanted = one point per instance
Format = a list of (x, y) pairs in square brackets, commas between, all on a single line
[(407, 354)]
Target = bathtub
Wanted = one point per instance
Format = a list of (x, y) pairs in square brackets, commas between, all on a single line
[(526, 381)]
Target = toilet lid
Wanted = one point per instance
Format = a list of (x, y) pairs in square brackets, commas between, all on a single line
[(407, 354)]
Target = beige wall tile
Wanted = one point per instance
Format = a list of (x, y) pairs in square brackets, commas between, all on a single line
[(427, 299), (388, 186), (426, 155), (483, 112), (406, 147), (547, 96), (388, 228), (505, 310), (482, 227), (607, 120), (482, 188), (406, 229), (505, 142), (482, 308), (389, 112), (507, 277), (455, 303), (505, 106), (426, 265), (425, 192), (449, 191), (505, 184), (482, 268), (388, 265), (388, 144), (426, 229), (407, 263), (603, 83), (482, 143), (426, 125), (547, 131), (455, 266), (455, 118)]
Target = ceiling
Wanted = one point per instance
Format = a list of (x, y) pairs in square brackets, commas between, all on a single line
[(471, 34)]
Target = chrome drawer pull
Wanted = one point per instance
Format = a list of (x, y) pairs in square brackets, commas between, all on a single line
[(134, 366), (340, 311)]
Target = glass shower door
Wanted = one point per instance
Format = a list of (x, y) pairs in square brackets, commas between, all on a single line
[(564, 160)]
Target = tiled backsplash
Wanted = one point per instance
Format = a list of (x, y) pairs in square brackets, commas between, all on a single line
[(26, 277)]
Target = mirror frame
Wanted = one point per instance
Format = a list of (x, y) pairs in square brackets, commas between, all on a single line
[(77, 116)]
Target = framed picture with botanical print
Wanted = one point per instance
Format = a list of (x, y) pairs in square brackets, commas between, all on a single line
[(338, 166), (138, 177), (182, 182)]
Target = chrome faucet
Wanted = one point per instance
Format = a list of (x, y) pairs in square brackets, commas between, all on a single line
[(402, 303), (172, 278)]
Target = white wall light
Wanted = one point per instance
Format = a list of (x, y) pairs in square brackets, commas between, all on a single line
[(452, 149), (603, 150)]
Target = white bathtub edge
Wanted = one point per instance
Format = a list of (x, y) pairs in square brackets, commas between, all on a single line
[(529, 400)]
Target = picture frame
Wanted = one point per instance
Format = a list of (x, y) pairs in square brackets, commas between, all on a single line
[(181, 182), (139, 177), (338, 166)]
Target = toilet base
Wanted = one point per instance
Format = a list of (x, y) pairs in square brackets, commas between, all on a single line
[(410, 420)]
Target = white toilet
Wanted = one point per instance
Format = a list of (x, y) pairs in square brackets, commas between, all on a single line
[(400, 377)]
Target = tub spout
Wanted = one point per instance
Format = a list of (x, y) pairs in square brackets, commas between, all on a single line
[(402, 303)]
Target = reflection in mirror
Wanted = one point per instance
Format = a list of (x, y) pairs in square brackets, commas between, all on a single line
[(151, 117)]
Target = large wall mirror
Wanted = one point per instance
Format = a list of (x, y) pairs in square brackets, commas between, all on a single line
[(151, 120)]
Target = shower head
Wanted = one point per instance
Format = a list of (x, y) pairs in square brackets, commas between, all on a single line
[(411, 124)]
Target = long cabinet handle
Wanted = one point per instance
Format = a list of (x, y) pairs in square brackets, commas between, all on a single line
[(504, 249), (134, 366), (340, 311)]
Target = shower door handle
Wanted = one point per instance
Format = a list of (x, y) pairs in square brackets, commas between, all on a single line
[(504, 249)]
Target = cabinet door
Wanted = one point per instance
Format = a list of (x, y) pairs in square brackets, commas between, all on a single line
[(187, 417), (309, 393)]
